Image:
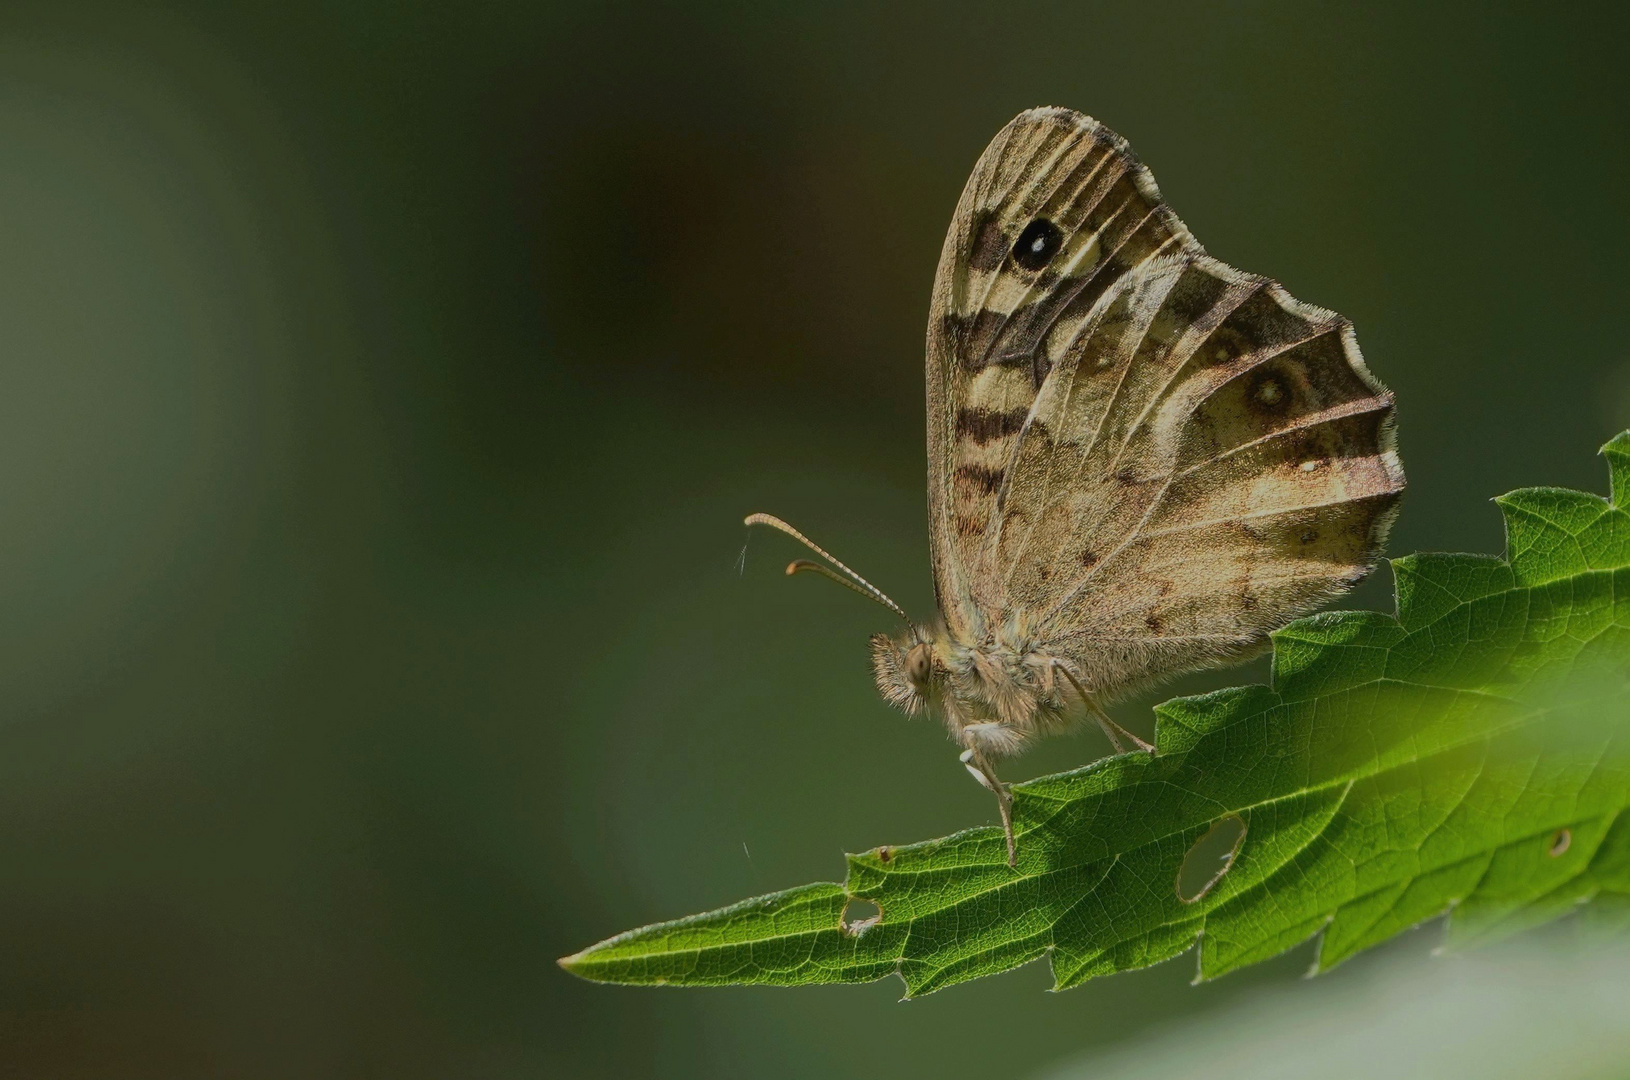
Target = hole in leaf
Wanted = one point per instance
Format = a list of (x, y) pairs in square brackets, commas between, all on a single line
[(859, 916), (1561, 840), (1210, 858)]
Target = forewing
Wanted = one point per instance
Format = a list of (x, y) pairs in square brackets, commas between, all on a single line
[(1200, 457), (997, 326)]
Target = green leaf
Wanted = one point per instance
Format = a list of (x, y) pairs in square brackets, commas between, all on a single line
[(1470, 755)]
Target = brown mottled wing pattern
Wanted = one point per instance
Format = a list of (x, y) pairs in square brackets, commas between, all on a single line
[(1141, 460)]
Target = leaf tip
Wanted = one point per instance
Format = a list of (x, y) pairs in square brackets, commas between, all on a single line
[(1617, 452), (578, 962)]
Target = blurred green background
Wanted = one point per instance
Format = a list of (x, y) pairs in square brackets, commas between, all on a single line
[(383, 388)]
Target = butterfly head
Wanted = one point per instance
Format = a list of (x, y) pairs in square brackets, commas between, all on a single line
[(908, 669)]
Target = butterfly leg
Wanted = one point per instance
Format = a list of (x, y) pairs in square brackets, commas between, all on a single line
[(986, 775), (1118, 736)]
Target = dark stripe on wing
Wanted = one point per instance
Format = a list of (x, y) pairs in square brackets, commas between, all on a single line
[(987, 425), (985, 479)]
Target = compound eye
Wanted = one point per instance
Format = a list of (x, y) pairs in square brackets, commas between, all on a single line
[(917, 664), (1037, 245)]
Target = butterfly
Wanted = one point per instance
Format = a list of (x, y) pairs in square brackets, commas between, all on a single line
[(1141, 461)]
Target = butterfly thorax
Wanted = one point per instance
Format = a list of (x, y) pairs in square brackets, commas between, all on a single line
[(994, 695)]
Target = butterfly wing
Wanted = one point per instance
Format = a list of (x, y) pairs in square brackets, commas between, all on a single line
[(1141, 459), (996, 325)]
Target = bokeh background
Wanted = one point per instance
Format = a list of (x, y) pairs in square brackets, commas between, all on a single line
[(383, 387)]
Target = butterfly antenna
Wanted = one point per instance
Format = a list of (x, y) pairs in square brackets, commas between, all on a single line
[(850, 580)]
